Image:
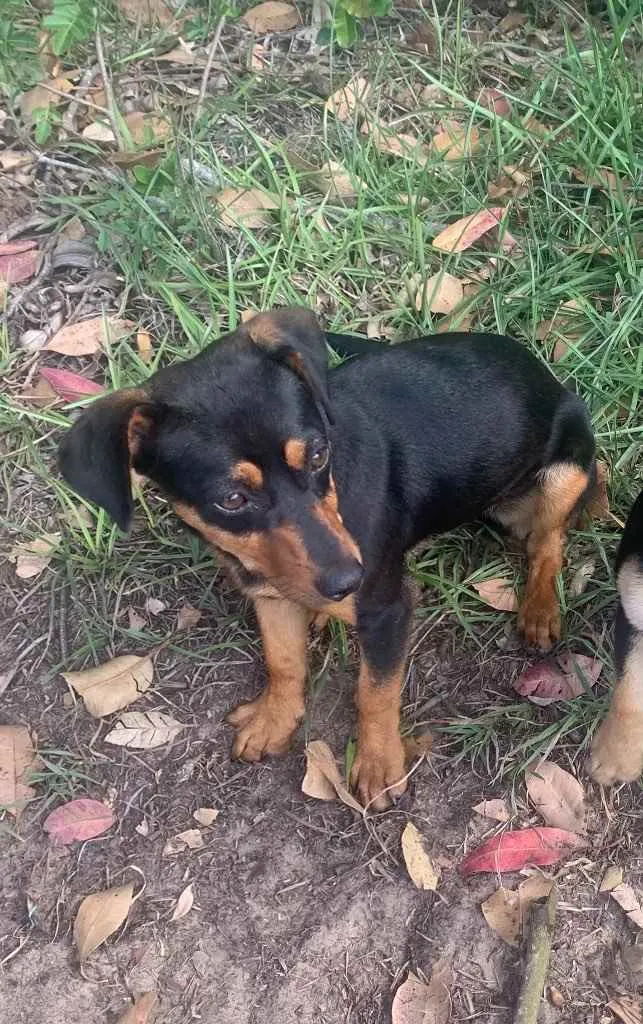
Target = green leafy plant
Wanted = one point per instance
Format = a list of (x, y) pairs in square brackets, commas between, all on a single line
[(346, 28), (70, 22)]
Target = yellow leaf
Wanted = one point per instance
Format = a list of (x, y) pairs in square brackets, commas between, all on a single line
[(145, 346), (112, 686), (322, 779), (247, 207), (88, 337), (422, 871), (98, 917), (31, 557), (271, 16), (498, 594), (17, 761), (345, 101)]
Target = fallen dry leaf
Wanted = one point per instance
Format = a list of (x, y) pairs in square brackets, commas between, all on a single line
[(134, 620), (154, 606), (493, 99), (247, 207), (536, 887), (190, 839), (513, 182), (561, 678), (456, 142), (271, 16), (332, 179), (511, 851), (206, 816), (497, 810), (43, 96), (422, 871), (463, 233), (98, 917), (145, 346), (612, 877), (31, 557), (18, 262), (17, 761), (147, 129), (188, 617), (70, 386), (15, 158), (501, 911), (98, 131), (147, 12), (322, 779), (113, 685), (416, 1002), (581, 577), (603, 178), (396, 143), (139, 1013), (512, 21), (627, 899), (566, 325), (78, 820), (351, 97), (144, 730), (181, 54), (40, 394), (184, 903), (498, 593), (88, 337), (626, 1008), (557, 796), (417, 746), (441, 293)]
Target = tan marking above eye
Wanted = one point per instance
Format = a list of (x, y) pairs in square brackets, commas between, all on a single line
[(295, 453), (248, 473)]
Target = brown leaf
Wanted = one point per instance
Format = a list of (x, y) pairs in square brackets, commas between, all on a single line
[(463, 233), (145, 346), (626, 1008), (271, 16), (456, 142), (41, 97), (498, 594), (139, 1013), (12, 159), (441, 293), (98, 917), (78, 820), (147, 129), (422, 871), (581, 577), (536, 887), (512, 21), (113, 685), (190, 839), (88, 336), (17, 761), (184, 903), (332, 179), (41, 394), (154, 606), (418, 1003), (502, 913), (561, 678), (351, 97), (206, 816), (147, 12), (603, 178), (322, 779), (612, 877), (31, 557), (16, 267), (497, 810), (188, 617), (247, 207), (144, 730), (513, 182), (557, 796), (181, 54), (98, 131), (493, 99), (627, 899), (403, 144)]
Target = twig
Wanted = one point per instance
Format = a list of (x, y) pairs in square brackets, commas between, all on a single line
[(107, 86), (69, 117), (540, 936), (208, 67)]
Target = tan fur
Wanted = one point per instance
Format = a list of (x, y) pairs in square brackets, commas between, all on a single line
[(617, 750)]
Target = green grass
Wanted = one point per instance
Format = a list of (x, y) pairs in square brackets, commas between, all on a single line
[(195, 276)]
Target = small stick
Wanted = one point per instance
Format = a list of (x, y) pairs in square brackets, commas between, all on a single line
[(208, 67), (107, 86), (538, 950)]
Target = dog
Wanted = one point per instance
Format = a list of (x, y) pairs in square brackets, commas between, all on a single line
[(314, 484), (617, 750)]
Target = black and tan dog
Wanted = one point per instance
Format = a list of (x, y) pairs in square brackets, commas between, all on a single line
[(315, 484), (617, 750)]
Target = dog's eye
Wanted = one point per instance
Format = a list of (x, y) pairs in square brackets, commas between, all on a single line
[(233, 502), (319, 458)]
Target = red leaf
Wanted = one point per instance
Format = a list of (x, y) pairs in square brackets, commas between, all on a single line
[(77, 820), (18, 266), (68, 385), (493, 99), (11, 248), (558, 678), (511, 851)]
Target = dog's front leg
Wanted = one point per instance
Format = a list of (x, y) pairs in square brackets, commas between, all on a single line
[(379, 763), (267, 724)]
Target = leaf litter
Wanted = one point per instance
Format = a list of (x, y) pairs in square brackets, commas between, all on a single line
[(498, 593), (422, 871), (144, 730), (514, 850), (78, 820), (419, 1002), (113, 685), (322, 779), (557, 796), (32, 557), (140, 1012), (17, 761), (99, 916), (562, 677), (89, 336)]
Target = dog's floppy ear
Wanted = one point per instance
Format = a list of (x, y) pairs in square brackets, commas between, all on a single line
[(294, 337), (96, 453)]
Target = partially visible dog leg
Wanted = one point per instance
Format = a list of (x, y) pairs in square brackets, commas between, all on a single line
[(617, 750), (266, 725), (561, 488), (379, 764)]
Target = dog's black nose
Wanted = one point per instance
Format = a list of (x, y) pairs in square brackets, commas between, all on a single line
[(336, 584)]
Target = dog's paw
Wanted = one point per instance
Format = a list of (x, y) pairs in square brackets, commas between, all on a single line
[(539, 621), (265, 726), (378, 773), (617, 750)]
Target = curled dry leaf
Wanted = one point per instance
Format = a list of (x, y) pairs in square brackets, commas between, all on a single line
[(322, 779), (271, 16), (612, 877), (98, 917), (31, 557), (422, 871), (88, 337), (188, 617), (497, 810), (190, 839), (144, 730), (17, 761), (416, 1002), (184, 903), (112, 686), (70, 386), (602, 178), (456, 142), (417, 746), (512, 851), (627, 899), (247, 207), (351, 97), (626, 1008), (98, 131), (181, 54), (145, 346), (463, 233), (557, 796), (441, 293), (562, 678), (78, 820), (498, 593), (140, 1012)]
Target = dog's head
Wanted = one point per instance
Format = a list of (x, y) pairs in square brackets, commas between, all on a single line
[(238, 438)]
